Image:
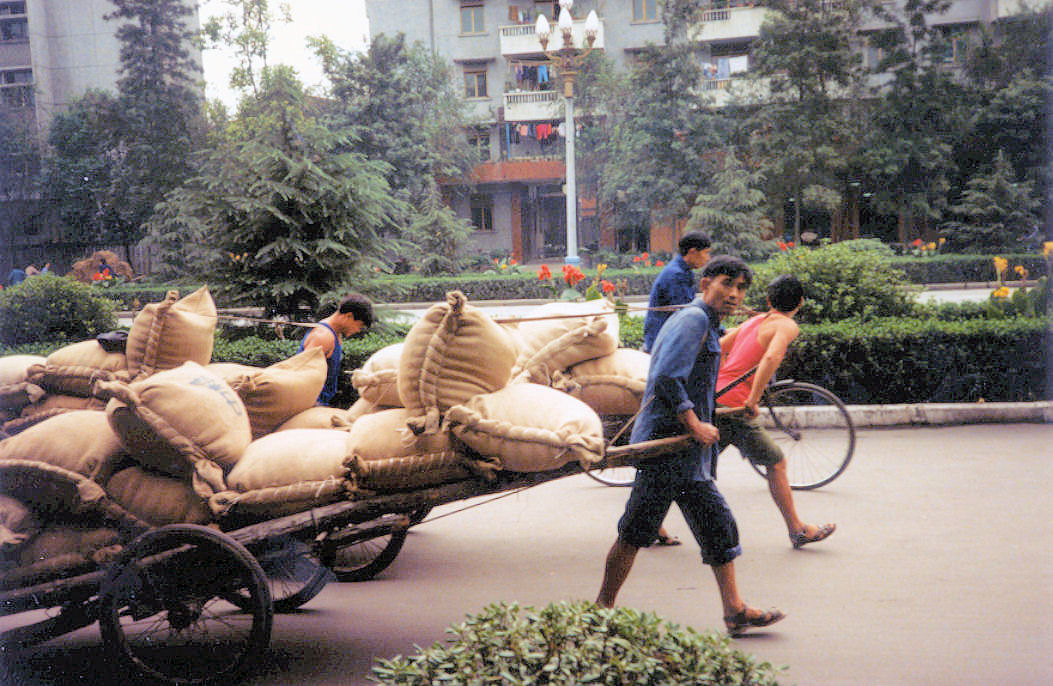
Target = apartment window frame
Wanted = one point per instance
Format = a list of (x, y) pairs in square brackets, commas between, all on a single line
[(475, 85), (473, 18), (6, 35), (482, 211), (12, 9), (645, 11), (480, 140), (953, 46)]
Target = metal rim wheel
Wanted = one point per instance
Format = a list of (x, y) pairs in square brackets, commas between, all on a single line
[(814, 430), (166, 606), (294, 573), (364, 560), (614, 476), (418, 515)]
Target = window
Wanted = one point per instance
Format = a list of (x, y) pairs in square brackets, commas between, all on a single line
[(14, 29), (481, 142), (16, 88), (12, 8), (475, 81), (645, 10), (472, 17), (546, 7), (483, 212)]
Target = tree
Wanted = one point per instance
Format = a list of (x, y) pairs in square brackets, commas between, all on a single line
[(995, 213), (732, 212), (20, 163), (290, 214), (804, 133), (400, 102), (246, 28)]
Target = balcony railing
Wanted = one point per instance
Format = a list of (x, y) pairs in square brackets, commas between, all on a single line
[(728, 24), (520, 39), (531, 105)]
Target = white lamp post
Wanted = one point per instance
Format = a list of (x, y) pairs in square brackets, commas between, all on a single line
[(567, 60)]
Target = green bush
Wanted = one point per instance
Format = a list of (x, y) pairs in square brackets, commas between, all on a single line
[(48, 307), (840, 282), (964, 268), (574, 643), (902, 360)]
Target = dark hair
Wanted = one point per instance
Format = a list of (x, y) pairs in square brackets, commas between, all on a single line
[(695, 239), (359, 306), (785, 292), (728, 265)]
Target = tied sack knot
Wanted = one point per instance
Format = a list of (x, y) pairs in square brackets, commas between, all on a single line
[(427, 423)]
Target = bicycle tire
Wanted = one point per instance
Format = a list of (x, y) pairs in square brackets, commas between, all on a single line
[(814, 430), (364, 560), (613, 476), (295, 575)]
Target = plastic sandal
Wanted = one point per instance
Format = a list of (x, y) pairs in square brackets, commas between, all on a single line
[(739, 622), (801, 539)]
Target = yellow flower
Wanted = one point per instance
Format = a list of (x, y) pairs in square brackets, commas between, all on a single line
[(1002, 292), (1000, 265), (942, 240), (600, 268), (1047, 249), (930, 246)]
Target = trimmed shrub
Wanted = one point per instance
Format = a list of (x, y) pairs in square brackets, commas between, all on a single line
[(964, 268), (48, 308), (840, 282), (925, 360), (574, 643)]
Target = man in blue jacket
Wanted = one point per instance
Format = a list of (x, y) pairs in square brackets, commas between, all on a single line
[(678, 399), (675, 284)]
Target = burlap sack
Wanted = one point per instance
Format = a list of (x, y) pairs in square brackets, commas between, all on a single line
[(319, 417), (13, 368), (278, 392), (57, 540), (17, 525), (387, 433), (455, 351), (71, 381), (412, 472), (87, 354), (80, 441), (287, 471), (156, 498), (62, 402), (15, 426), (178, 421), (553, 345), (14, 397), (48, 490), (610, 385), (378, 379), (529, 427), (164, 335)]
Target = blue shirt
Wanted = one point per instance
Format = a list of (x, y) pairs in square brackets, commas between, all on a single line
[(683, 376), (332, 377), (675, 285)]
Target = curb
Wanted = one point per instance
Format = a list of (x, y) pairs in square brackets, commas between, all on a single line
[(935, 414)]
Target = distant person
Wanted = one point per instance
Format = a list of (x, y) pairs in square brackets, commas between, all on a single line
[(679, 398), (353, 316), (675, 284), (16, 276), (761, 342)]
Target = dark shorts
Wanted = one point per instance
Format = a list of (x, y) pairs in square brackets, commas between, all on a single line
[(752, 440), (704, 508)]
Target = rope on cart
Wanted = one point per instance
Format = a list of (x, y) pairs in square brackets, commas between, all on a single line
[(485, 502)]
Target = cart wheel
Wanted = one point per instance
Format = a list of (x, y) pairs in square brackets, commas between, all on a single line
[(418, 515), (363, 561), (295, 575), (163, 607)]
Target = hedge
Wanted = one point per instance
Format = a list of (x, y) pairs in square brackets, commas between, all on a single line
[(926, 360), (965, 268)]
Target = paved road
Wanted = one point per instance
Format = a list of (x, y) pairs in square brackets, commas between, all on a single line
[(941, 572)]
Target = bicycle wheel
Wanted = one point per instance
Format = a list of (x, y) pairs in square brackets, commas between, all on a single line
[(364, 560), (295, 575), (614, 476), (814, 430), (165, 607)]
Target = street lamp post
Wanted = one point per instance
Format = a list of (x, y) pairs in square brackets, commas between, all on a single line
[(567, 61)]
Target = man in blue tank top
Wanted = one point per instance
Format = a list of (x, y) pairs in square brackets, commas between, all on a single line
[(353, 316)]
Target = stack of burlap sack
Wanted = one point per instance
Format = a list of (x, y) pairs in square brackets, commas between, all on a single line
[(171, 437)]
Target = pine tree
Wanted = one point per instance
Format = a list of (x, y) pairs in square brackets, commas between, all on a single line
[(732, 212), (995, 213)]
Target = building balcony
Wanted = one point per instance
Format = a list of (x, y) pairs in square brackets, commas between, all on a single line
[(733, 23), (520, 39), (533, 106)]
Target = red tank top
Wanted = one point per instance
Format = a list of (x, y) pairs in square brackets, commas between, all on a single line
[(745, 354)]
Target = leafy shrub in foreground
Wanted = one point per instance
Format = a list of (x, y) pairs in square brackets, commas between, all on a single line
[(574, 643), (48, 308)]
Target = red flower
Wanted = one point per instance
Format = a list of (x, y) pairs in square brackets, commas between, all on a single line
[(607, 286), (659, 263), (96, 276), (637, 259), (544, 274), (783, 246), (512, 260), (645, 256), (790, 244), (917, 243)]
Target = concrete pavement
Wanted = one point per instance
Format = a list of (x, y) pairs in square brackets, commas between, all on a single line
[(941, 572)]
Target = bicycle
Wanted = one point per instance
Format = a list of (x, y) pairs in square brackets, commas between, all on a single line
[(808, 422)]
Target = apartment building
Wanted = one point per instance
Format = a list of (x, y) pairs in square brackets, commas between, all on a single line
[(517, 203), (51, 52)]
